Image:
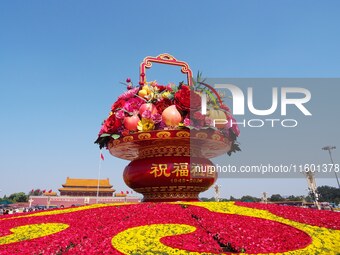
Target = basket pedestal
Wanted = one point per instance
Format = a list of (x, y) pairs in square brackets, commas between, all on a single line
[(170, 165)]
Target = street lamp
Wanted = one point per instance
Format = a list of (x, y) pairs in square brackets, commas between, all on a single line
[(329, 149)]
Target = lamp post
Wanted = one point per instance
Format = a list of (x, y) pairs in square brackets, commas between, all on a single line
[(329, 149), (217, 192), (264, 198), (312, 187)]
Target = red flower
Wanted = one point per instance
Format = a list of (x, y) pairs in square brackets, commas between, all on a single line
[(199, 116), (125, 132), (118, 104), (161, 105), (111, 125), (186, 99), (160, 88)]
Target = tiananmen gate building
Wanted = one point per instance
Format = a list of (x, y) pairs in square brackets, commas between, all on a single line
[(76, 192), (86, 188)]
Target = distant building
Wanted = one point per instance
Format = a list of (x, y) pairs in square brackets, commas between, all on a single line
[(86, 188), (76, 192)]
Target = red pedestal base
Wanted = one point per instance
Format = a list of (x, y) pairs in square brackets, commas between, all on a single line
[(169, 178), (170, 165)]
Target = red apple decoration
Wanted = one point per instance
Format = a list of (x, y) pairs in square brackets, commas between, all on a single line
[(171, 116), (131, 122), (147, 106)]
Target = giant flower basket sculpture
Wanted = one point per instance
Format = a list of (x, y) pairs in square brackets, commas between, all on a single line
[(162, 130)]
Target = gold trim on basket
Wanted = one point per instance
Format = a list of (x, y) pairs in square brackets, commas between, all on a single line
[(116, 142), (183, 134), (216, 137), (163, 134), (144, 136), (128, 138), (201, 135)]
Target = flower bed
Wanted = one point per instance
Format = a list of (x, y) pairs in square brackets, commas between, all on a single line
[(170, 228), (303, 215)]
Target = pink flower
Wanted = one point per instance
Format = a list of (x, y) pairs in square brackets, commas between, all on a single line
[(208, 121), (146, 114), (120, 114), (157, 118), (128, 94), (133, 104), (187, 122)]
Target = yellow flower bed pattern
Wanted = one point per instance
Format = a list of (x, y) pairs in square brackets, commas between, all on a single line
[(144, 237)]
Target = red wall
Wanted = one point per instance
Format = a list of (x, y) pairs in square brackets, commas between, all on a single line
[(69, 201)]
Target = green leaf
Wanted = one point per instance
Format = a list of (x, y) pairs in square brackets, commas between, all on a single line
[(115, 136), (104, 135), (212, 96)]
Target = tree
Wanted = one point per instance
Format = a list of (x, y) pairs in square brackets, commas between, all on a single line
[(295, 198), (328, 194), (18, 197), (224, 200), (205, 199), (309, 199), (276, 198), (232, 198), (248, 198)]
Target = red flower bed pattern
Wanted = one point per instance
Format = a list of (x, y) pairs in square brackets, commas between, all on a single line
[(237, 233), (91, 229), (303, 215)]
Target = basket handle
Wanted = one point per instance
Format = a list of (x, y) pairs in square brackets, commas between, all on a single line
[(167, 59)]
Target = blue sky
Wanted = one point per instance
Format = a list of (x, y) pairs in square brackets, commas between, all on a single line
[(61, 63)]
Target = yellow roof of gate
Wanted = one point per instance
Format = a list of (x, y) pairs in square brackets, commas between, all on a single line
[(87, 189), (72, 182)]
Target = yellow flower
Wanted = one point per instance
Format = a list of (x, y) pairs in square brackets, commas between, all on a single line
[(166, 94), (32, 231), (146, 239), (146, 125)]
